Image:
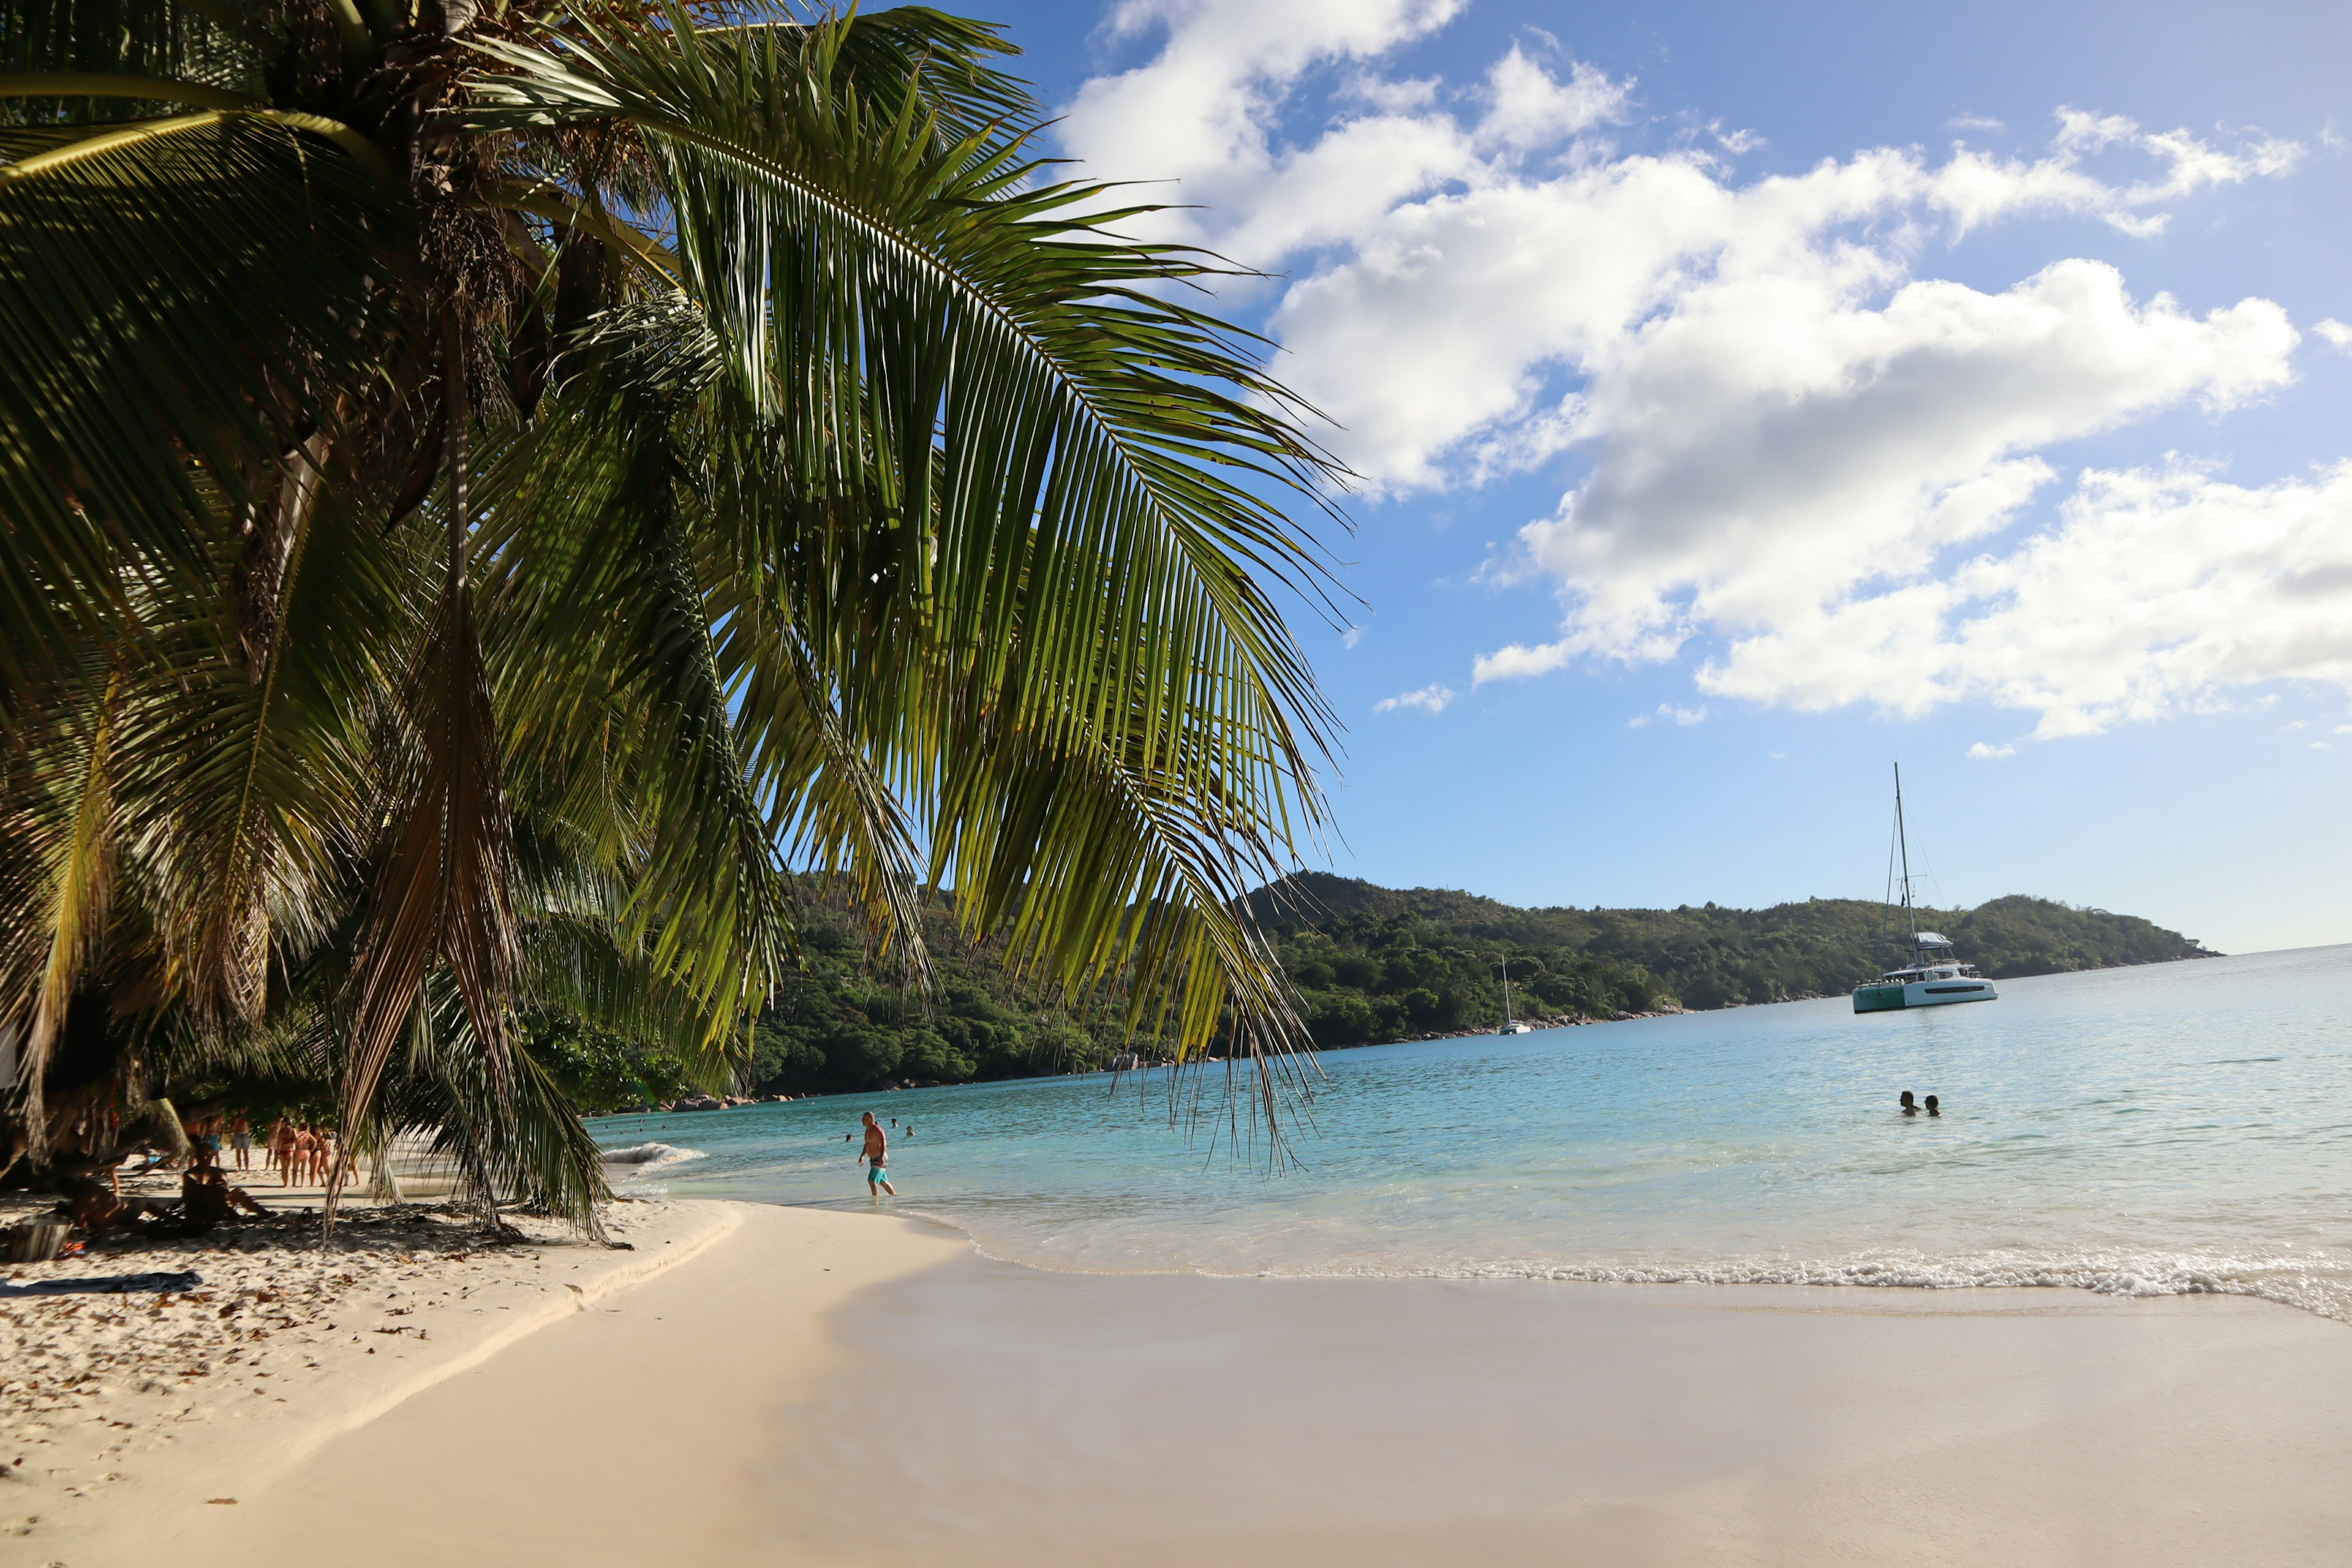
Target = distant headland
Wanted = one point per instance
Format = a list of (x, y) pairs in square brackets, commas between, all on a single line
[(1374, 963), (1370, 966)]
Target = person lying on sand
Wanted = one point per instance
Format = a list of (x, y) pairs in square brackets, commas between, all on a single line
[(93, 1207), (876, 1156)]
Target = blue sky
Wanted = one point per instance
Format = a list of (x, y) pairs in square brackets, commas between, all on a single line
[(1750, 396)]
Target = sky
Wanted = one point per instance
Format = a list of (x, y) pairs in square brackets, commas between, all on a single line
[(1745, 399)]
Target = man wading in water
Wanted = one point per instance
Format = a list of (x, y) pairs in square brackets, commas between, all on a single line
[(878, 1159)]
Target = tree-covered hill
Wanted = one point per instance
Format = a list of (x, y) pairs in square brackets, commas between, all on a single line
[(1369, 964), (1377, 963)]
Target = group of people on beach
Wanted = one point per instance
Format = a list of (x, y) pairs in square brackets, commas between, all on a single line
[(301, 1153)]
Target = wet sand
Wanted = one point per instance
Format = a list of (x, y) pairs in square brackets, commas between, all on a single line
[(830, 1387), (1052, 1419)]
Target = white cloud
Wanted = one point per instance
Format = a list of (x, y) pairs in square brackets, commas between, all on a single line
[(2336, 333), (1352, 637), (2156, 592), (1672, 714), (1792, 431), (1432, 698), (1749, 476), (1529, 108), (1984, 752)]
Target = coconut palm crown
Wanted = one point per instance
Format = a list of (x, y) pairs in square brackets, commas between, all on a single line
[(488, 491)]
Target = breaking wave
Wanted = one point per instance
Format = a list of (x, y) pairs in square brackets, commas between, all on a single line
[(650, 1157)]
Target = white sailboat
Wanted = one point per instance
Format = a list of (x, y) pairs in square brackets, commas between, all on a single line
[(1934, 977), (1511, 1025)]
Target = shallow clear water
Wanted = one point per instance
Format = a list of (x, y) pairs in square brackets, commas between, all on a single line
[(2172, 1128)]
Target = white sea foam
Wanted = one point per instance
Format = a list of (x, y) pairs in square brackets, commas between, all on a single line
[(2323, 1287), (650, 1157), (2318, 1283)]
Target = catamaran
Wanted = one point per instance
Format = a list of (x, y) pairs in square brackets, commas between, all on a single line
[(1934, 977), (1511, 1025)]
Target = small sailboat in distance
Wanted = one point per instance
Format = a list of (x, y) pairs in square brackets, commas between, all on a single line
[(1934, 977), (1511, 1025)]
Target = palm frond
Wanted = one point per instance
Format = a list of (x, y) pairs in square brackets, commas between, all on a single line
[(174, 309), (1010, 492)]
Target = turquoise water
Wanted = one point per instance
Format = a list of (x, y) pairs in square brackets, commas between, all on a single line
[(2173, 1127)]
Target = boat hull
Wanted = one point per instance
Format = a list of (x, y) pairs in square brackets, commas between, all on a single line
[(1937, 992)]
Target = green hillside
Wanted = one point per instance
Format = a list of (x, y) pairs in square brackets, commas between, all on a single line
[(1370, 965), (1377, 963)]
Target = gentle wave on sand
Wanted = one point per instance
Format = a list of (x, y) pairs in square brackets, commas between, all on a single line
[(2168, 1130), (634, 1169)]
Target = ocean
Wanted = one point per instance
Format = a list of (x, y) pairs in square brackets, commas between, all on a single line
[(2162, 1130)]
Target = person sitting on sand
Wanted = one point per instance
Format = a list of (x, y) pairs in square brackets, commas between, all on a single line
[(1908, 1109), (1932, 1110), (876, 1156), (207, 1196)]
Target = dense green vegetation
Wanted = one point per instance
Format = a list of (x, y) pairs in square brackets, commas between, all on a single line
[(488, 491), (843, 1022), (1368, 965), (1374, 963)]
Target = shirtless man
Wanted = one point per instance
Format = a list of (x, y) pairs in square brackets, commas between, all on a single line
[(878, 1160)]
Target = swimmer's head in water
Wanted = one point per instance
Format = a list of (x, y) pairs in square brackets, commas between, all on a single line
[(1907, 1100), (1931, 1105)]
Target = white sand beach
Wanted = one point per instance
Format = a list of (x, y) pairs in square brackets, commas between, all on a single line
[(122, 1407), (771, 1385)]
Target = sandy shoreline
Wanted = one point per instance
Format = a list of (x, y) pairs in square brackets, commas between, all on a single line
[(122, 1403), (827, 1387)]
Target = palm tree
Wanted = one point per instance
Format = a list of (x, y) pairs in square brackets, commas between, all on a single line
[(488, 489)]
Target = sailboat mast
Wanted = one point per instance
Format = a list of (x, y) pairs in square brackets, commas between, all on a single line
[(1507, 993), (1910, 915)]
